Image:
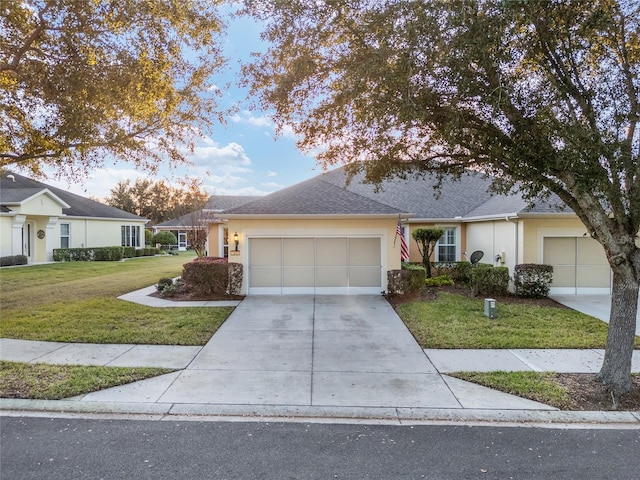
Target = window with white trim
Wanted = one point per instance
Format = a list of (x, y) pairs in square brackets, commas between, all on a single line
[(130, 235), (447, 245), (65, 235)]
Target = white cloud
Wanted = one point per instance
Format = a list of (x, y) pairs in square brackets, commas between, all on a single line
[(272, 185), (272, 174), (230, 158), (287, 132), (240, 191), (248, 118), (98, 184)]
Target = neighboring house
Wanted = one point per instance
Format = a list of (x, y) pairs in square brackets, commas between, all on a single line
[(326, 236), (217, 244), (36, 218)]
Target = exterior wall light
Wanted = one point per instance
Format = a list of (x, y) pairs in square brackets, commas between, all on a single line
[(235, 239)]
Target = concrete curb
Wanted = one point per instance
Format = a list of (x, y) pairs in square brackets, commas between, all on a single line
[(295, 413)]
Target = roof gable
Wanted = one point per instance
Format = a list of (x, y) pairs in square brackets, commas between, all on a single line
[(15, 189)]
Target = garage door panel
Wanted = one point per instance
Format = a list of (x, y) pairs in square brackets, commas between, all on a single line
[(298, 277), (591, 252), (564, 276), (364, 251), (332, 276), (331, 251), (364, 277), (298, 252), (265, 277), (593, 276), (265, 252), (559, 251)]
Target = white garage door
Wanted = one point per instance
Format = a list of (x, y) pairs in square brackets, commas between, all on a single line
[(335, 265), (579, 265)]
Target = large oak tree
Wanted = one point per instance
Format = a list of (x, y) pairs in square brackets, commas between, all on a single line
[(86, 80), (544, 95)]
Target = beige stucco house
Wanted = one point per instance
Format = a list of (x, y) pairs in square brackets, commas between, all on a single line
[(36, 218), (325, 235)]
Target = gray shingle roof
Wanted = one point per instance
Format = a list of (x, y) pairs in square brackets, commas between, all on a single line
[(422, 195), (215, 204), (315, 197), (20, 188), (220, 203)]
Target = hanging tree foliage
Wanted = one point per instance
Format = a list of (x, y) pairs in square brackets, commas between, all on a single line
[(81, 81), (544, 95)]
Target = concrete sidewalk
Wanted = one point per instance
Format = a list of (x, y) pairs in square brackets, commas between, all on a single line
[(180, 357)]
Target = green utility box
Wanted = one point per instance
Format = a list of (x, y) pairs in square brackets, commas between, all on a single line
[(490, 309)]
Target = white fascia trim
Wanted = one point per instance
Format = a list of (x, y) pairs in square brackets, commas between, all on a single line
[(548, 215), (488, 218), (110, 219)]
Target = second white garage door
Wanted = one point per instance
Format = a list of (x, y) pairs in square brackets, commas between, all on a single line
[(579, 265), (334, 265)]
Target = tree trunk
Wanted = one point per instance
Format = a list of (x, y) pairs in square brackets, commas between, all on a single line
[(615, 373)]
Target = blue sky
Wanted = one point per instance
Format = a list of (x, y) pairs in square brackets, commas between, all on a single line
[(243, 156)]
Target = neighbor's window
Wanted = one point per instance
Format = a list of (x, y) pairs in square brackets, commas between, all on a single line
[(447, 245), (130, 235), (65, 229)]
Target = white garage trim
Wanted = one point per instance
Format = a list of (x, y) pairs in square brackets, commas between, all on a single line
[(345, 264)]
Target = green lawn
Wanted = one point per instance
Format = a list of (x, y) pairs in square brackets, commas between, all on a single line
[(536, 386), (54, 382), (458, 321), (24, 287), (76, 302)]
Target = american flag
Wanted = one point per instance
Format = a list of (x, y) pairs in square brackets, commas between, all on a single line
[(404, 248)]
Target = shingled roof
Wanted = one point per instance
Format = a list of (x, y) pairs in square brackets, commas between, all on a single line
[(315, 196), (15, 189), (215, 204), (424, 196)]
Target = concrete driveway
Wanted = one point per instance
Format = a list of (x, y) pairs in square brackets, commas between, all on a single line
[(304, 351), (598, 306)]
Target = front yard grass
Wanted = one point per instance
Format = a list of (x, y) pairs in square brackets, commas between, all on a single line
[(55, 382), (536, 386), (26, 287), (109, 320), (456, 321), (75, 302)]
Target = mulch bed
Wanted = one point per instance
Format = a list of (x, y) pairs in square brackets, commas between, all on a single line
[(192, 297), (588, 395)]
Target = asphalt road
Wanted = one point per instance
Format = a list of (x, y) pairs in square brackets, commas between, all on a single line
[(42, 448)]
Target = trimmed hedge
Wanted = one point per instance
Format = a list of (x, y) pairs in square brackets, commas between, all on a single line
[(212, 275), (532, 279), (12, 260), (147, 252), (489, 280), (95, 254)]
